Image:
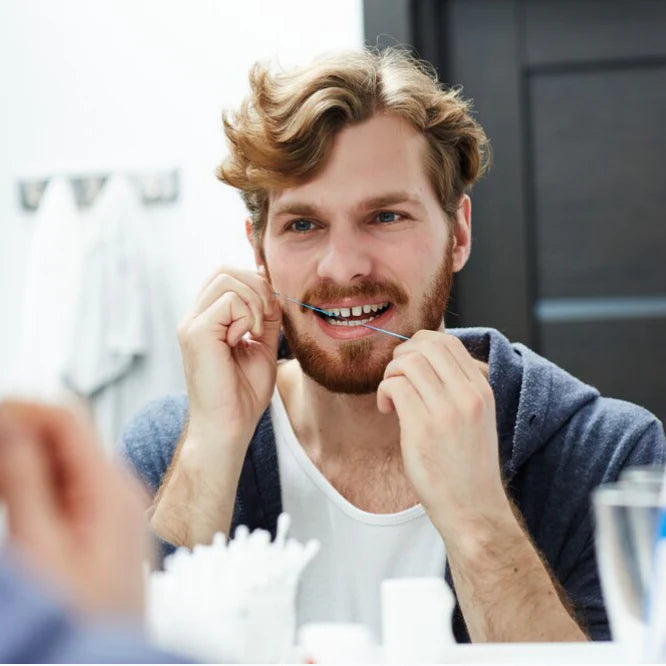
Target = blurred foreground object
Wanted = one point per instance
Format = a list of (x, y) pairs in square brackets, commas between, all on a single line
[(627, 517), (655, 644), (70, 571), (37, 627), (232, 603)]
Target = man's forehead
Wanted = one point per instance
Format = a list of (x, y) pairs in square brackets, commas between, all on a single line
[(382, 158)]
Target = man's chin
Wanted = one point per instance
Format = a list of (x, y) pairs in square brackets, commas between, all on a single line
[(347, 383), (356, 368)]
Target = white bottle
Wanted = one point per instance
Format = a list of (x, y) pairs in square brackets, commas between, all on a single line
[(416, 620), (337, 643)]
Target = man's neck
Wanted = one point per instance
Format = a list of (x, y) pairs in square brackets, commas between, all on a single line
[(353, 445), (335, 426)]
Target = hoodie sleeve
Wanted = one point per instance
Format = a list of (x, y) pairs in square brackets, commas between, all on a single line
[(148, 443), (149, 440), (584, 593)]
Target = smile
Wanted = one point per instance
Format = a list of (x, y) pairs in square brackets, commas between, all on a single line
[(356, 315)]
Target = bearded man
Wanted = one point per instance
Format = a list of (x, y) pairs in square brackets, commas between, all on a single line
[(435, 453)]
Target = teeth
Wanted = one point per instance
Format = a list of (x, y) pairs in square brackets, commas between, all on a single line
[(356, 310), (344, 322)]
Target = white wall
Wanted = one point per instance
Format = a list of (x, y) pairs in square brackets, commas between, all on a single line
[(139, 84)]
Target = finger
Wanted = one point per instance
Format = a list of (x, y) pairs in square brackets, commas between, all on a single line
[(423, 378), (471, 367), (471, 397), (224, 283), (397, 394), (437, 347), (255, 283), (270, 335), (71, 448), (26, 484), (221, 270), (229, 318)]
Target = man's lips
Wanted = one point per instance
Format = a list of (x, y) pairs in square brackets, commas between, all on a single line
[(346, 328)]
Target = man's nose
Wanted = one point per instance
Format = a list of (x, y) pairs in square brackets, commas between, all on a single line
[(345, 257)]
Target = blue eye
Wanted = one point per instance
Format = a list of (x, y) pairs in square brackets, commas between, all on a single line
[(387, 216), (301, 226)]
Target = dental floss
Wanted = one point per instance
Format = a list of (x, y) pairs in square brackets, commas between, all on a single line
[(332, 316)]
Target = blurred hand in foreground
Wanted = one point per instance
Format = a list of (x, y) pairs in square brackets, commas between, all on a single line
[(76, 518)]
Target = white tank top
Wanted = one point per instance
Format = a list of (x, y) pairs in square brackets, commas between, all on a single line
[(358, 549)]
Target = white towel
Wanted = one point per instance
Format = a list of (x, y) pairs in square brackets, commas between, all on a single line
[(110, 331), (124, 349), (49, 297)]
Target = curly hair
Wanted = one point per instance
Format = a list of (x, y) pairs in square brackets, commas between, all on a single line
[(283, 132)]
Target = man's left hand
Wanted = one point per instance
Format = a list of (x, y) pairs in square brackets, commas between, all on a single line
[(448, 431)]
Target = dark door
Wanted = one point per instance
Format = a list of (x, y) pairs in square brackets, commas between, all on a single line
[(569, 248)]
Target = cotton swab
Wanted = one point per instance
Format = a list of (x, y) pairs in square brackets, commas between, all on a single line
[(328, 314)]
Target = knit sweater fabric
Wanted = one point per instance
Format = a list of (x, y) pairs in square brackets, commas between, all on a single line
[(558, 440)]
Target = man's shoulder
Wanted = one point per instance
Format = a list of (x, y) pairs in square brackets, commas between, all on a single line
[(606, 426), (150, 438), (552, 408)]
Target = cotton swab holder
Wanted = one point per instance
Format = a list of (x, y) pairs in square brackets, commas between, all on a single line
[(230, 602)]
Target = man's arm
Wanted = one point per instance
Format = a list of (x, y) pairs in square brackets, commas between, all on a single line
[(229, 347), (448, 438), (505, 590), (193, 504)]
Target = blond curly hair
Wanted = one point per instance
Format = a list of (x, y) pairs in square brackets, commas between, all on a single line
[(283, 131)]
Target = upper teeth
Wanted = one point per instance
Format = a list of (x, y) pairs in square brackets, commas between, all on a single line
[(356, 311)]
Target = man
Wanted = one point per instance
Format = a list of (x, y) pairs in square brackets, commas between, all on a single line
[(71, 580), (442, 452)]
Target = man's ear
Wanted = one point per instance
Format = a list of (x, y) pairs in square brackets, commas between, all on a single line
[(462, 233), (249, 232)]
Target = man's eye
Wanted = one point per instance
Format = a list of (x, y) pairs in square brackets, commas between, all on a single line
[(301, 226), (387, 216)]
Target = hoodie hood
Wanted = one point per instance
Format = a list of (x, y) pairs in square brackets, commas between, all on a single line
[(533, 397)]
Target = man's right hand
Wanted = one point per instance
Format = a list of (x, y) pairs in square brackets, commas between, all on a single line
[(230, 378), (229, 347)]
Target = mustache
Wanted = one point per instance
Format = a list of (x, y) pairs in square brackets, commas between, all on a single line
[(328, 291)]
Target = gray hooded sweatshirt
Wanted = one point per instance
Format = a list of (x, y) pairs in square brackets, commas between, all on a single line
[(558, 440)]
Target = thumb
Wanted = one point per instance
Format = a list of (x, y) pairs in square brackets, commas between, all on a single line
[(385, 403)]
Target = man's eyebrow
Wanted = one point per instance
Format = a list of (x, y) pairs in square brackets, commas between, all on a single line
[(390, 199), (295, 208), (381, 201)]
